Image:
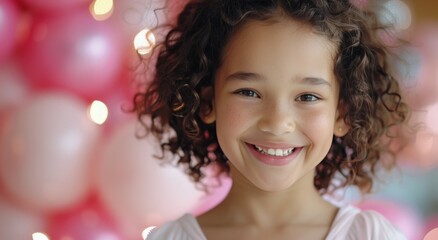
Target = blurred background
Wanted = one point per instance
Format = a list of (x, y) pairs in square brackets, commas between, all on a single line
[(71, 167)]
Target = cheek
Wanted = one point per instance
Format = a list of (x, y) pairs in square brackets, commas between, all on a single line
[(318, 123), (227, 115), (233, 116)]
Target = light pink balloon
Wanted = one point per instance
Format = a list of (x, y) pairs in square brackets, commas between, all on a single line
[(17, 223), (74, 52), (425, 91), (174, 8), (45, 150), (422, 148), (362, 4), (134, 185), (13, 87), (54, 5), (431, 225), (132, 16), (218, 186), (8, 28), (401, 216)]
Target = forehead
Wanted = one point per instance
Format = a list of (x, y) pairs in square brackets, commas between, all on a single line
[(259, 46)]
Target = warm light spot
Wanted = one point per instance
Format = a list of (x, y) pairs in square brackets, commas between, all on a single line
[(147, 231), (144, 41), (101, 9), (397, 14), (98, 112), (39, 236)]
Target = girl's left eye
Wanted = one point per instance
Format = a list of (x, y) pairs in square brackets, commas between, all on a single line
[(308, 98)]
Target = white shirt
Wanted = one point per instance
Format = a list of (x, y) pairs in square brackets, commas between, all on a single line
[(350, 224)]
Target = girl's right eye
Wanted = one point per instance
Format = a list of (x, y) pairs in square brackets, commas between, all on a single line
[(247, 93)]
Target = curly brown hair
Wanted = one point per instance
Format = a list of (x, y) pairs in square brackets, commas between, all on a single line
[(192, 51)]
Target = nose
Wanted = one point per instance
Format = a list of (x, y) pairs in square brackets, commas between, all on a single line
[(277, 120)]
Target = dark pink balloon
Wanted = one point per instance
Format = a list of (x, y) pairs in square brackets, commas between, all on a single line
[(8, 28), (73, 52), (88, 222), (54, 5)]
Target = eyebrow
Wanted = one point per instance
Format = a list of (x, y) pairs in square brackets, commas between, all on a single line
[(249, 76), (316, 81)]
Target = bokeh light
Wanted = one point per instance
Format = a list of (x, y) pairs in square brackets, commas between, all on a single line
[(98, 112), (102, 9), (144, 41), (40, 236)]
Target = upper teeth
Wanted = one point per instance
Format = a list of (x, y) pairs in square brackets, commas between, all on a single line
[(275, 152)]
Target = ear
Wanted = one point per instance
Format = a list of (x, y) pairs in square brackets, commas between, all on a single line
[(341, 127), (206, 111)]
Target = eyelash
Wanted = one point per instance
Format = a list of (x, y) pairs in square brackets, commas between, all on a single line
[(307, 95), (247, 93), (302, 98)]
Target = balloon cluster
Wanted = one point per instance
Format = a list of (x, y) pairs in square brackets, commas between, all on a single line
[(71, 166)]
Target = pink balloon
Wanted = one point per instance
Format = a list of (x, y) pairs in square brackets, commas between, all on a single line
[(13, 88), (45, 150), (362, 4), (422, 149), (174, 8), (403, 217), (17, 223), (425, 92), (74, 52), (118, 100), (87, 222), (136, 187), (51, 5), (218, 190), (431, 224), (132, 16), (8, 28)]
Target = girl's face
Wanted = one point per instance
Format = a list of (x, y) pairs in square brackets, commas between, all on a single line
[(276, 103)]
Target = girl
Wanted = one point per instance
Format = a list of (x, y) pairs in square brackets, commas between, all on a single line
[(289, 97)]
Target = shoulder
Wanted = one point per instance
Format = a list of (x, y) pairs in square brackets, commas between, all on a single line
[(375, 226), (353, 223), (183, 228)]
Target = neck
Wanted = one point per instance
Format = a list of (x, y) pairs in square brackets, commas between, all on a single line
[(248, 205)]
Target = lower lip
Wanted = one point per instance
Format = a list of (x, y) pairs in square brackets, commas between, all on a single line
[(274, 160)]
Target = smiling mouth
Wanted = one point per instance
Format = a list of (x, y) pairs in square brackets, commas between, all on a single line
[(275, 152)]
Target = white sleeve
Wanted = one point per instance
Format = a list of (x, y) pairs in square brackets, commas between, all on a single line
[(169, 231), (184, 228), (372, 225)]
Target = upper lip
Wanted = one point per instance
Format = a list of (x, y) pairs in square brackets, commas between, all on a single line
[(282, 146)]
